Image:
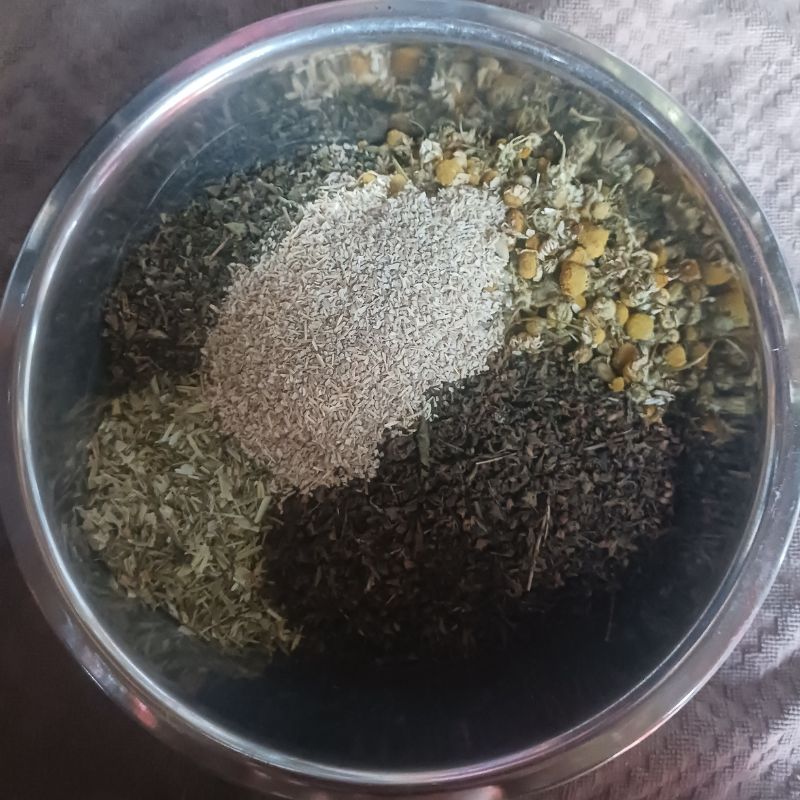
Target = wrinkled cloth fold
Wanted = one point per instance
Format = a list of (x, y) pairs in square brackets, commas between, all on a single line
[(735, 64)]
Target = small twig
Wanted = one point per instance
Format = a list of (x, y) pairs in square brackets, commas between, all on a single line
[(219, 247), (583, 117), (495, 458), (545, 528)]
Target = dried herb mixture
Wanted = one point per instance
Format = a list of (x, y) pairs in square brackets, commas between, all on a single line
[(613, 265), (546, 466), (175, 510)]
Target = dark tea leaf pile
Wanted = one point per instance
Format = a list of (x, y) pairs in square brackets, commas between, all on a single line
[(530, 477)]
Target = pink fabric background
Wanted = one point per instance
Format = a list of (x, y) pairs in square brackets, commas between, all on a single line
[(66, 64)]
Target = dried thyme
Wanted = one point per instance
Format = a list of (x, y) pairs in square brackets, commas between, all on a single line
[(174, 509)]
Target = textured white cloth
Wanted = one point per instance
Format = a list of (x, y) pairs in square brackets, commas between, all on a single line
[(735, 64)]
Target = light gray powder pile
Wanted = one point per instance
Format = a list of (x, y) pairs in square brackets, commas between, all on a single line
[(365, 305)]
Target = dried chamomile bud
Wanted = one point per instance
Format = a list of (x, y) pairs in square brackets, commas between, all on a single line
[(643, 179), (516, 195), (689, 271), (396, 184), (624, 356), (573, 279), (406, 62), (717, 273), (640, 327), (675, 356), (447, 171), (594, 240), (528, 264), (617, 384), (396, 138), (604, 308), (516, 220)]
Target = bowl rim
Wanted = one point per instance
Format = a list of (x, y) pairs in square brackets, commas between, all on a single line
[(669, 686)]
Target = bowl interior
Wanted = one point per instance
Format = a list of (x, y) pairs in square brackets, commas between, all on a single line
[(575, 662)]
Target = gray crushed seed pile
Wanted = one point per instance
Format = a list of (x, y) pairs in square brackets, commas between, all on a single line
[(365, 305)]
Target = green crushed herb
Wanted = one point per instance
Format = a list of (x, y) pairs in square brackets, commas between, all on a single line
[(175, 510), (530, 478)]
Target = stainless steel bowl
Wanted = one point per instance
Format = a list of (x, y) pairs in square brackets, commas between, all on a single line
[(499, 728)]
